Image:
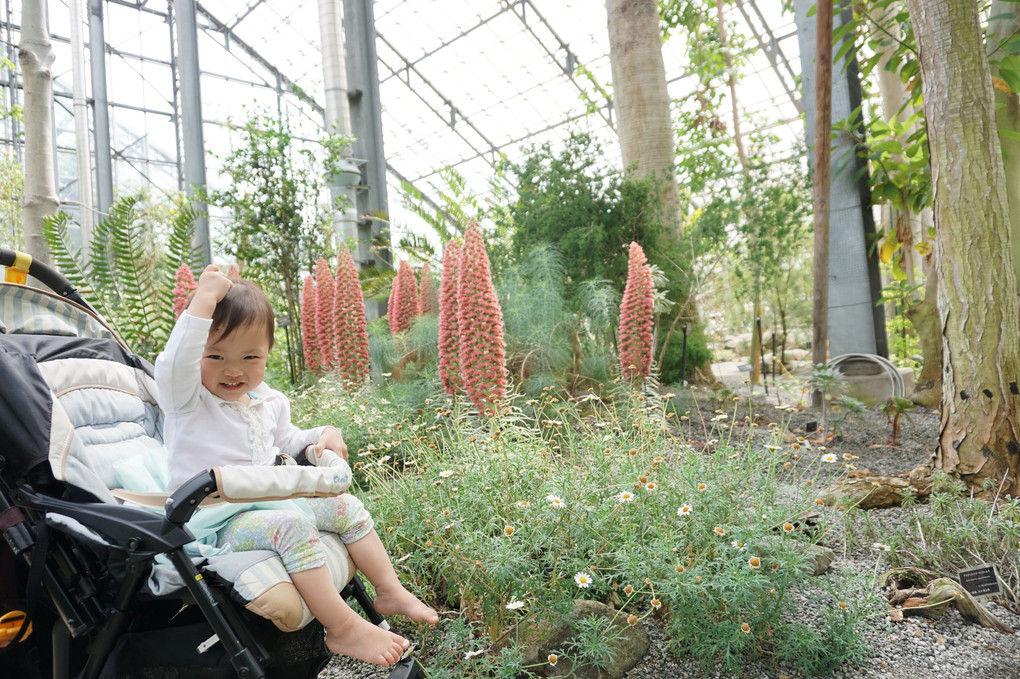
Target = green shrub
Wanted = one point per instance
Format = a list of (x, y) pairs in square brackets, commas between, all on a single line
[(590, 500)]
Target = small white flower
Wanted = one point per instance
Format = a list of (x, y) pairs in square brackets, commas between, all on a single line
[(738, 545), (599, 425), (583, 580), (589, 397), (829, 457), (514, 605), (556, 502), (473, 654), (625, 496), (881, 547), (773, 447), (685, 510), (446, 473), (720, 417), (387, 374)]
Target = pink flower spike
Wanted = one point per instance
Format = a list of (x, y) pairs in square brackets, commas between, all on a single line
[(403, 308), (636, 317), (183, 287), (480, 325), (325, 315), (308, 336), (351, 338), (449, 338)]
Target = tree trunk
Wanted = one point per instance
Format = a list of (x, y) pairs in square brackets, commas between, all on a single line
[(925, 319), (1007, 116), (644, 120), (976, 285), (35, 56)]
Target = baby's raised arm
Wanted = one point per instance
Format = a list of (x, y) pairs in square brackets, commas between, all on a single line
[(212, 287)]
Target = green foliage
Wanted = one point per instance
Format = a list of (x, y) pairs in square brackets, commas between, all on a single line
[(478, 515), (452, 209), (128, 274), (12, 186), (904, 344), (955, 531), (587, 209), (281, 224), (845, 408), (894, 409)]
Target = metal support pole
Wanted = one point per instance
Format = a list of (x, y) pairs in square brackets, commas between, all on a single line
[(191, 117), (81, 128), (366, 121), (100, 106), (338, 115)]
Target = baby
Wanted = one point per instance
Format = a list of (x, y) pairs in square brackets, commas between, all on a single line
[(219, 412)]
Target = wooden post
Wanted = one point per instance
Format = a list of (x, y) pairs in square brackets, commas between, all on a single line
[(823, 129)]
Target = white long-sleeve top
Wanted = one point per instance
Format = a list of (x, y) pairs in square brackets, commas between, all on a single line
[(201, 430)]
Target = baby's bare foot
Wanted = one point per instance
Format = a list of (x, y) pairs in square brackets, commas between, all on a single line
[(401, 602), (362, 640)]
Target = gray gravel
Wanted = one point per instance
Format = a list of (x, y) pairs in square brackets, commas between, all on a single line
[(914, 648)]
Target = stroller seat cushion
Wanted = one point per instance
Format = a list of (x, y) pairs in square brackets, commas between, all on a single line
[(269, 592)]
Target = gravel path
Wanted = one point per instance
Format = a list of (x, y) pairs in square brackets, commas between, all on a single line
[(915, 648)]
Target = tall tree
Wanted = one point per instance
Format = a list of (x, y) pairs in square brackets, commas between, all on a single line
[(36, 56), (980, 423), (644, 119)]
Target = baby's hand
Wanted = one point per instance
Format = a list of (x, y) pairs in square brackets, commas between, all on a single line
[(213, 283), (330, 439)]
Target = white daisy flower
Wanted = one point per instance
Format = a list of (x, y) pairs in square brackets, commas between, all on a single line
[(583, 580), (514, 605)]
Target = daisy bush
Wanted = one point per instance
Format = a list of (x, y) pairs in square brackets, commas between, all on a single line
[(511, 519)]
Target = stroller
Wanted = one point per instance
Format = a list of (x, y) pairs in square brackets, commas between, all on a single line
[(93, 587)]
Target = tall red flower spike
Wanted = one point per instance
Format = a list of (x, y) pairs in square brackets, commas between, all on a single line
[(308, 333), (480, 324), (233, 272), (449, 338), (428, 301), (352, 359), (325, 314), (404, 300), (636, 317), (184, 285)]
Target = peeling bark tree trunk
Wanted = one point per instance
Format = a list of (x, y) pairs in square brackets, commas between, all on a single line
[(35, 56), (976, 286)]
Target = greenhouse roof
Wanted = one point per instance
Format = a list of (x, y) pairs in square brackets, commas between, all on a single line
[(460, 83)]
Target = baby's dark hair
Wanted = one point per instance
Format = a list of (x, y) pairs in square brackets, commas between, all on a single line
[(244, 306)]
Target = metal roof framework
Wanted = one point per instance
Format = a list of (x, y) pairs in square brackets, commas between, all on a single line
[(461, 83)]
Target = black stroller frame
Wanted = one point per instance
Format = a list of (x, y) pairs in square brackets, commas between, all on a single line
[(83, 565)]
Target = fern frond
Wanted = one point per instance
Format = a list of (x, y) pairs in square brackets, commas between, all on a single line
[(70, 261)]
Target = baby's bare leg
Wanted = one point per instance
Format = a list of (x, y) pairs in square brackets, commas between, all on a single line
[(370, 557), (347, 632)]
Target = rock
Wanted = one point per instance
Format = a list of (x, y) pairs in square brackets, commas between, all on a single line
[(867, 490), (538, 639), (819, 559)]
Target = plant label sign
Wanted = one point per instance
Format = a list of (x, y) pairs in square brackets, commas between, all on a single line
[(981, 581)]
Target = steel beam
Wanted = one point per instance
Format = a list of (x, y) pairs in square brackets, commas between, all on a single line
[(100, 108), (185, 20)]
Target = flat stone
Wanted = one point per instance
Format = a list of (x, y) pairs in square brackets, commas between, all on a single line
[(538, 639)]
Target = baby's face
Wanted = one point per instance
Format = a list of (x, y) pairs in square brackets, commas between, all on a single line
[(234, 365)]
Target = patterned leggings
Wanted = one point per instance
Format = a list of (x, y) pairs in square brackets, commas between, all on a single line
[(292, 535)]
